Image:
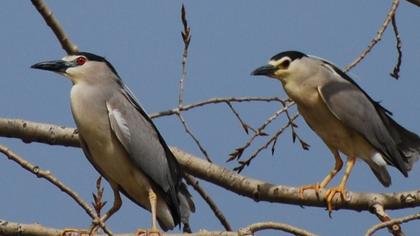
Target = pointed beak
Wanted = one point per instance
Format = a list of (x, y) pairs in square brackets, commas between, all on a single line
[(56, 66), (267, 70)]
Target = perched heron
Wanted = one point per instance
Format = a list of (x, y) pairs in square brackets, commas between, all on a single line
[(345, 117), (121, 141)]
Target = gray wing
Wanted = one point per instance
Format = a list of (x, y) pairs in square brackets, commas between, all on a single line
[(355, 109), (145, 146)]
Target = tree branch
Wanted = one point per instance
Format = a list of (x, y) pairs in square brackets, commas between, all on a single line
[(377, 38), (251, 229), (217, 212), (415, 2), (392, 222), (36, 170), (12, 229), (379, 211), (255, 189), (396, 71), (215, 101), (53, 23)]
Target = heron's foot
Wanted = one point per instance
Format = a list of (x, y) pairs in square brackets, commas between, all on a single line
[(330, 194), (148, 232), (317, 187), (75, 232)]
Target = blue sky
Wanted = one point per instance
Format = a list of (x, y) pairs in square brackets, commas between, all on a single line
[(229, 39)]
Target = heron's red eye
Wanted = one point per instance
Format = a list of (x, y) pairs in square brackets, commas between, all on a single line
[(80, 61)]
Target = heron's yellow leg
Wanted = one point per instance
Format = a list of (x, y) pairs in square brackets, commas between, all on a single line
[(327, 179), (153, 203), (329, 195), (154, 230)]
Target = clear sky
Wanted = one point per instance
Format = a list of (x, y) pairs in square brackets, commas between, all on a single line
[(229, 39)]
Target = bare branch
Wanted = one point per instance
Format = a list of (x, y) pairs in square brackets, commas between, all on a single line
[(8, 228), (251, 229), (263, 191), (39, 132), (55, 26), (98, 203), (396, 71), (392, 222), (244, 125), (186, 38), (273, 139), (259, 132), (415, 2), (379, 211), (248, 187), (53, 180), (214, 101), (189, 132), (217, 212), (295, 135), (12, 229), (377, 38), (49, 177)]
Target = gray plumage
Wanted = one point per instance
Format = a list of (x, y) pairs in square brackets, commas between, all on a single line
[(343, 115), (351, 105), (121, 141)]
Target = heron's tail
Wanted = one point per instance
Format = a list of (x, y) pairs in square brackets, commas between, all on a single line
[(186, 206), (408, 143)]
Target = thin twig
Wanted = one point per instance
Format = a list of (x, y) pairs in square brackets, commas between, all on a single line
[(379, 211), (98, 203), (247, 162), (244, 125), (377, 38), (189, 132), (217, 212), (295, 135), (396, 71), (53, 180), (401, 220), (237, 154), (251, 229), (186, 38), (47, 176), (53, 23), (203, 103), (415, 2)]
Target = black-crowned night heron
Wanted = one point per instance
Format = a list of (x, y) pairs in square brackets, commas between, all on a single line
[(121, 141), (345, 117)]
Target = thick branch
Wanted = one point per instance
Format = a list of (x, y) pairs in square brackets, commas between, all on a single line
[(255, 189), (13, 229)]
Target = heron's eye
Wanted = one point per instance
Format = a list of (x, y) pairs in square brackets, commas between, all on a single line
[(80, 60), (285, 64)]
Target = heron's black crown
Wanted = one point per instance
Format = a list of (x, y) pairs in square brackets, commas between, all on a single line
[(293, 55), (94, 57)]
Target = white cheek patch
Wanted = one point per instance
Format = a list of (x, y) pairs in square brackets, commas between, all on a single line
[(378, 159), (69, 58), (276, 63)]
